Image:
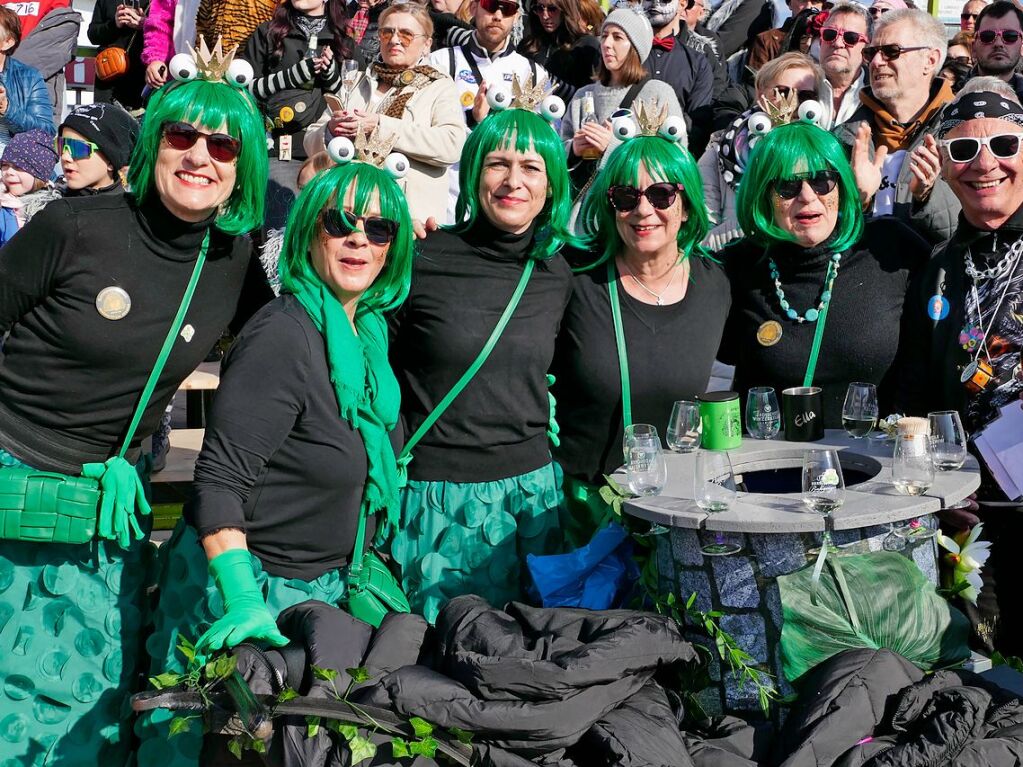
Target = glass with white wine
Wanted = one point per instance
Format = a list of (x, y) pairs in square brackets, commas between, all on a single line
[(823, 483), (859, 412), (912, 464)]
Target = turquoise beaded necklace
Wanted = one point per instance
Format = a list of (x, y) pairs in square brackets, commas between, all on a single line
[(811, 315)]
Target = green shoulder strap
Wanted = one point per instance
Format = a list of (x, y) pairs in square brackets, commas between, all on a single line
[(623, 357), (406, 454), (815, 350), (165, 350)]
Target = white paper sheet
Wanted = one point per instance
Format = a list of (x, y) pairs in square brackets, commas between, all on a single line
[(1000, 444)]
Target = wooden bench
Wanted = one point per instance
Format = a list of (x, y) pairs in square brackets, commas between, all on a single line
[(199, 388)]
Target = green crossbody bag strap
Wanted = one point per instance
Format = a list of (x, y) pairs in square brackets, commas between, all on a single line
[(815, 350), (406, 454), (165, 350), (623, 357)]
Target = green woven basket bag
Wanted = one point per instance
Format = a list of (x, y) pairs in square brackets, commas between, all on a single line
[(47, 507)]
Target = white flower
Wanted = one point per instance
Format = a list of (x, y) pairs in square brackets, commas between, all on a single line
[(967, 555)]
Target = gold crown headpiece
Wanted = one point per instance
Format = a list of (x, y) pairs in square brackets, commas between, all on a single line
[(527, 94), (373, 149), (649, 118), (211, 64)]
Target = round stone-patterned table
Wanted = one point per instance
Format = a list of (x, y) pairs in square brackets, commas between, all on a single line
[(777, 533)]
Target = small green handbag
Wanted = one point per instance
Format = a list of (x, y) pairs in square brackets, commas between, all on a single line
[(372, 590), (49, 507)]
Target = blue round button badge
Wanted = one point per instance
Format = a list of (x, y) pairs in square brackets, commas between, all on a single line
[(937, 307)]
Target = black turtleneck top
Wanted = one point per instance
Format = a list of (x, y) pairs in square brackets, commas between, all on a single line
[(461, 284), (70, 378), (863, 329)]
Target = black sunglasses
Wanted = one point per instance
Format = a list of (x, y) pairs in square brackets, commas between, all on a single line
[(1009, 36), (378, 230), (661, 195), (850, 38), (889, 52), (1001, 145), (507, 7), (783, 91), (968, 16), (183, 136), (821, 182)]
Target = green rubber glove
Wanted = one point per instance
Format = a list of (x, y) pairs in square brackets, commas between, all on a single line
[(122, 493), (553, 430), (246, 615)]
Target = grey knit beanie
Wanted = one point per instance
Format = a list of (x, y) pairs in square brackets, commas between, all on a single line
[(634, 23)]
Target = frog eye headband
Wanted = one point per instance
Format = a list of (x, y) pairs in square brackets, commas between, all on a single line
[(373, 149), (526, 95), (211, 64), (788, 109), (649, 119)]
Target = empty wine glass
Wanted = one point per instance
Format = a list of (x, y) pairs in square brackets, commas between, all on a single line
[(683, 434), (638, 432), (645, 470), (350, 76), (912, 465), (763, 416), (714, 491), (859, 413), (948, 440)]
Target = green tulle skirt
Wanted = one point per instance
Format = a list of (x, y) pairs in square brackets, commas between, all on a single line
[(71, 619), (473, 537), (188, 603)]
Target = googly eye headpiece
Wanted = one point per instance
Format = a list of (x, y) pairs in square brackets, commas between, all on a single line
[(528, 95), (787, 109), (211, 64), (372, 149), (649, 119)]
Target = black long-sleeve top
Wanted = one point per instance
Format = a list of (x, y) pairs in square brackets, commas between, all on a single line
[(104, 32), (574, 65), (863, 329), (70, 378), (278, 462), (670, 349), (461, 284)]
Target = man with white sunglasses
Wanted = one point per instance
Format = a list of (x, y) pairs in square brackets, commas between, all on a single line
[(998, 43)]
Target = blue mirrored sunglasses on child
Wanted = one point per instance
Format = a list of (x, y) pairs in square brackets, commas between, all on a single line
[(77, 148)]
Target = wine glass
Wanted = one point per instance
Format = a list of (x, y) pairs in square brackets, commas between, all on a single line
[(645, 470), (683, 434), (912, 464), (714, 491), (948, 440), (763, 416), (859, 413), (637, 432), (823, 485), (350, 76)]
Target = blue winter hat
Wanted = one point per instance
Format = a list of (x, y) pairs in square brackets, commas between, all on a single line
[(32, 151)]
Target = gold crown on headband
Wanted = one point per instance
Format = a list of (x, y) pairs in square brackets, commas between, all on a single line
[(784, 111), (374, 148), (212, 64), (649, 118), (527, 94)]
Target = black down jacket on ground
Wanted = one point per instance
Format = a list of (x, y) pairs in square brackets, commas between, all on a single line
[(535, 686)]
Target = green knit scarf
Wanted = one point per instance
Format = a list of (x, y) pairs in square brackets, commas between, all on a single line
[(367, 392)]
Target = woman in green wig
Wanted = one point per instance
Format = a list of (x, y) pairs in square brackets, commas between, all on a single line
[(643, 219), (110, 302), (299, 440), (810, 273), (481, 489)]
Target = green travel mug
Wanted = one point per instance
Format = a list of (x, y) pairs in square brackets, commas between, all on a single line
[(722, 422)]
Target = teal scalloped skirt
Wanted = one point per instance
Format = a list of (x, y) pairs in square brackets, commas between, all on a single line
[(71, 619), (473, 537), (188, 603)]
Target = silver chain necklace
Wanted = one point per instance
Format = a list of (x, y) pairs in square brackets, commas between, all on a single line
[(658, 296), (1007, 262)]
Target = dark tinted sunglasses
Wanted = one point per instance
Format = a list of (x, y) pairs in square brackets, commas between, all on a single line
[(1002, 146), (78, 149), (968, 16), (821, 183), (889, 52), (1009, 36), (875, 12), (850, 38), (507, 7), (181, 135), (341, 223), (626, 198), (783, 91), (541, 9)]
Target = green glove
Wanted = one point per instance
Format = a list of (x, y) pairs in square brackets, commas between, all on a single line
[(553, 430), (246, 615), (122, 492)]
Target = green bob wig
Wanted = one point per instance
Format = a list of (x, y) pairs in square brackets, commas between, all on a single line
[(523, 131), (329, 188), (782, 154), (664, 160), (211, 105)]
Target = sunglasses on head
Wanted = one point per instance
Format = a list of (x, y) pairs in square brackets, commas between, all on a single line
[(1002, 146), (821, 182), (405, 36), (850, 38), (1009, 36), (661, 195), (341, 223), (182, 135), (506, 7), (75, 147), (889, 52), (783, 92)]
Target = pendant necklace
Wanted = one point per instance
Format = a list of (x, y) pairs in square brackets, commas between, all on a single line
[(659, 297)]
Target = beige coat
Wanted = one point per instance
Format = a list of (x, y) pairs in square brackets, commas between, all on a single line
[(430, 133)]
